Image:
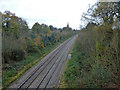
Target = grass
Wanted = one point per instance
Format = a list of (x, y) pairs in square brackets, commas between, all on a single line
[(15, 70), (85, 69)]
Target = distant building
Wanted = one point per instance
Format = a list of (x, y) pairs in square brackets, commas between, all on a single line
[(67, 25)]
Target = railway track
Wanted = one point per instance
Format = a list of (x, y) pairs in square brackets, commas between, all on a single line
[(47, 73)]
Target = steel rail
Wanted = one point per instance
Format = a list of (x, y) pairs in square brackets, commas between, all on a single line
[(43, 64)]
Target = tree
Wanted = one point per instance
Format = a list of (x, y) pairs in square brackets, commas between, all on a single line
[(102, 12), (51, 27), (31, 45), (13, 25), (36, 28), (38, 41)]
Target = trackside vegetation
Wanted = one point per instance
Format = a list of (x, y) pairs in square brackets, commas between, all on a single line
[(16, 69), (95, 59), (24, 47)]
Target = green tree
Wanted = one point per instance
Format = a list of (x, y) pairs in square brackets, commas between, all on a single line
[(36, 28)]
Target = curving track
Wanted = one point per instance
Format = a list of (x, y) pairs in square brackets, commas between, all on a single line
[(47, 73)]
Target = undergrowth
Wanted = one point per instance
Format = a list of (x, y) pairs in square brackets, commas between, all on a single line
[(14, 70), (86, 69)]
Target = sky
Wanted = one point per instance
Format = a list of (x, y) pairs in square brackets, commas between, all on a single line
[(51, 12)]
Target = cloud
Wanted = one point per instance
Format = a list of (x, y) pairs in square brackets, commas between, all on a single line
[(51, 12)]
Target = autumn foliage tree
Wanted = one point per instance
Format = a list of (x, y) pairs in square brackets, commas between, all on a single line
[(19, 40), (103, 21)]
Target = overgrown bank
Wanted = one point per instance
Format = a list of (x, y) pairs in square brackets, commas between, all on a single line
[(87, 68), (24, 47), (95, 59), (16, 69)]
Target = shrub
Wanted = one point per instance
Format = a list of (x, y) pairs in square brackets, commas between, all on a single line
[(31, 45), (18, 54)]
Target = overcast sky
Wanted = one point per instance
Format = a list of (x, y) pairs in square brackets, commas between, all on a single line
[(51, 12)]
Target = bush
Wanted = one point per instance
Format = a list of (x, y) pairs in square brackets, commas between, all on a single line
[(18, 54), (13, 50), (94, 62), (31, 46)]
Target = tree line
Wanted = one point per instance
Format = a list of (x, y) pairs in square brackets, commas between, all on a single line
[(103, 30), (96, 52), (18, 40)]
